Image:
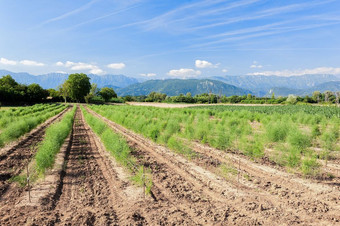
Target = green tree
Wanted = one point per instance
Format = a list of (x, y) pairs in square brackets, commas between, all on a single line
[(93, 92), (292, 99), (78, 86), (64, 90), (35, 93), (107, 93)]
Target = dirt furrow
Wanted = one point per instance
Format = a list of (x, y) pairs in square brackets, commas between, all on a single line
[(307, 198), (85, 196), (14, 158), (187, 186)]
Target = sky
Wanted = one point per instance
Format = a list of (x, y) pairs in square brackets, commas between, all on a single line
[(157, 39)]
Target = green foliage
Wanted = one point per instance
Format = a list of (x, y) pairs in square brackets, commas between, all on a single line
[(297, 139), (277, 132), (310, 166), (12, 92), (77, 86), (107, 93), (53, 140)]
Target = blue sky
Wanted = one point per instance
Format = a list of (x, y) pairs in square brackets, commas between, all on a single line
[(171, 38)]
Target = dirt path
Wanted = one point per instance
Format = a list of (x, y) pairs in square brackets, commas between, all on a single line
[(14, 158), (211, 198)]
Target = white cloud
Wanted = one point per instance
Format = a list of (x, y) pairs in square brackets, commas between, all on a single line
[(116, 65), (80, 66), (148, 74), (205, 64), (97, 71), (319, 70), (59, 63), (256, 65), (184, 73), (61, 72), (31, 63), (7, 62), (224, 70)]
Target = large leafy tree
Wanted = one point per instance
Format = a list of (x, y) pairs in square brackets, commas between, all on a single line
[(77, 86), (107, 93), (35, 93)]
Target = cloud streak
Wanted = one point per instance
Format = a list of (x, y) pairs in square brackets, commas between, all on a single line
[(318, 70), (68, 14)]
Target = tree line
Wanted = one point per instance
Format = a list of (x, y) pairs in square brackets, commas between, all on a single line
[(317, 97), (77, 88)]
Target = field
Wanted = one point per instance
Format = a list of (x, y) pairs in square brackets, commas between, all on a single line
[(144, 165)]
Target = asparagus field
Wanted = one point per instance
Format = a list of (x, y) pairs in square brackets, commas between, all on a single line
[(210, 165)]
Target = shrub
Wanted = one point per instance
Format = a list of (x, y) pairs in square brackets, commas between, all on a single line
[(277, 131)]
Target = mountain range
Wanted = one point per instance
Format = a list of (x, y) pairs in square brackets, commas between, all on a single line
[(174, 87), (52, 80), (261, 85), (226, 85)]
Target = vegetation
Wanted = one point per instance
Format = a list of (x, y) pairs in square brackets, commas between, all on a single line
[(77, 86), (16, 123), (290, 136), (53, 140), (13, 92)]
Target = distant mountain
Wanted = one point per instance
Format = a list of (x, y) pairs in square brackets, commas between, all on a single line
[(327, 86), (52, 80), (174, 87), (260, 85)]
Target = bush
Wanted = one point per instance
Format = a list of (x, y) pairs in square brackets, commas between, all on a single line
[(277, 131), (310, 166)]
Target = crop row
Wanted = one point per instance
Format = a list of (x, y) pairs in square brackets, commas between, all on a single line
[(294, 140), (14, 127), (20, 111), (326, 111)]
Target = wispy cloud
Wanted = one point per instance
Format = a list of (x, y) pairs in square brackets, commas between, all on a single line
[(256, 65), (268, 32), (148, 74), (68, 14), (319, 70)]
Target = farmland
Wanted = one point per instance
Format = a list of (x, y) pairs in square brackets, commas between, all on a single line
[(204, 165)]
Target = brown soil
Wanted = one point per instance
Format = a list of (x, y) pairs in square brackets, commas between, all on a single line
[(214, 200), (14, 157), (319, 200)]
